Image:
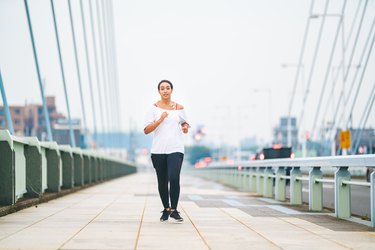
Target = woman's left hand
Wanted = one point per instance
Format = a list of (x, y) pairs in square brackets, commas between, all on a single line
[(185, 128)]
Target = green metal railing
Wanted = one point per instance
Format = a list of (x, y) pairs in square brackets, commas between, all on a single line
[(30, 168), (260, 176)]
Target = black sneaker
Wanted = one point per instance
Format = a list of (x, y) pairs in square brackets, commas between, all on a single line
[(175, 216), (165, 215)]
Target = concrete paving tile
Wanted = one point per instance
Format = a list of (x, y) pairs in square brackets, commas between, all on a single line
[(108, 216)]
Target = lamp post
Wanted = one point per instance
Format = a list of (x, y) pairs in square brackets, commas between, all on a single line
[(289, 125), (340, 26), (269, 93)]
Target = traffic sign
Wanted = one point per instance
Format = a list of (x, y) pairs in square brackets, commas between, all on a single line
[(345, 139)]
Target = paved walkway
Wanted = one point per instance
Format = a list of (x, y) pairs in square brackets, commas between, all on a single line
[(124, 214)]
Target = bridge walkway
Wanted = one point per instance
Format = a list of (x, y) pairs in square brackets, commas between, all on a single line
[(124, 214)]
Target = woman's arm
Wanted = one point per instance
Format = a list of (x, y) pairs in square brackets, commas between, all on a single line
[(151, 127)]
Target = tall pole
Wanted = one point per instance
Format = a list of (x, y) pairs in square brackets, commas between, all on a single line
[(6, 108), (45, 110), (72, 140)]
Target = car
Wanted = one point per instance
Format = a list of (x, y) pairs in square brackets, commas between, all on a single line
[(275, 152)]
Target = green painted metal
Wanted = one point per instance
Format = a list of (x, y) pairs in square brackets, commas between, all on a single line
[(253, 180), (7, 173), (87, 169), (280, 184), (67, 165), (295, 186), (342, 193), (29, 167), (54, 170), (19, 168), (78, 167), (316, 190), (260, 180), (268, 182), (34, 167)]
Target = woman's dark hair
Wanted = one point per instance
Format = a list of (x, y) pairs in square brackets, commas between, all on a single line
[(170, 84)]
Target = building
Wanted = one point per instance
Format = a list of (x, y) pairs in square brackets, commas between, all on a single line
[(29, 120), (280, 133), (17, 113)]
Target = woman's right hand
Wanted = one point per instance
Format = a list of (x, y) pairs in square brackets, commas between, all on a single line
[(163, 116)]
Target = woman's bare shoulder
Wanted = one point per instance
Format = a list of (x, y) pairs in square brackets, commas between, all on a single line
[(179, 106)]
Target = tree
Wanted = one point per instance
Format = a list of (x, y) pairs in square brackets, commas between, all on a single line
[(195, 153)]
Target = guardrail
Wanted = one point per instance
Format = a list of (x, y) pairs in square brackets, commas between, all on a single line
[(258, 176), (29, 168)]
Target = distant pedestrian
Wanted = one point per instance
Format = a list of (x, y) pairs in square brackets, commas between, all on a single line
[(167, 120)]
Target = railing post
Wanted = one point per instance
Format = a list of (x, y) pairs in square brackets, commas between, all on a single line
[(67, 166), (342, 193), (260, 183), (78, 167), (7, 169), (34, 168), (280, 184), (315, 190), (253, 180), (54, 173), (268, 182), (372, 198), (295, 186)]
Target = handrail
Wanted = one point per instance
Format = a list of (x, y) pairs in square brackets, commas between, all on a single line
[(31, 167), (325, 161), (259, 176)]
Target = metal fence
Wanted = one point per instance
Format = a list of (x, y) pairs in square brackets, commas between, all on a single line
[(29, 168), (270, 176)]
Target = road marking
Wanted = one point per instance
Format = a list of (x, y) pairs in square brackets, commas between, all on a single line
[(233, 203), (283, 209), (194, 197)]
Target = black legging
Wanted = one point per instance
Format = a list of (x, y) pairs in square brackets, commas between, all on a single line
[(168, 168)]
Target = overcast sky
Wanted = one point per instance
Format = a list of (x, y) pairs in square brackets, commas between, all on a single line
[(224, 58)]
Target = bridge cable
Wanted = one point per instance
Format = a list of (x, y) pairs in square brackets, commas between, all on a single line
[(72, 139), (6, 107), (366, 115), (88, 65), (78, 70), (317, 45), (335, 76), (322, 92), (96, 66), (117, 90), (354, 79), (300, 60), (113, 66), (103, 69), (110, 98), (45, 110)]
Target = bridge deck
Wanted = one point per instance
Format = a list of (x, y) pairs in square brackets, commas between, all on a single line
[(124, 214)]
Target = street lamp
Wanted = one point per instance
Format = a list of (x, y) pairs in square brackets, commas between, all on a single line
[(269, 92), (289, 127)]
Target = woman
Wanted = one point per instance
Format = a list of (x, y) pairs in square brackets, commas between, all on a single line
[(167, 120)]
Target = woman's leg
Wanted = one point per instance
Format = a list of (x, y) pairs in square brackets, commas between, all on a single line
[(160, 164), (174, 162)]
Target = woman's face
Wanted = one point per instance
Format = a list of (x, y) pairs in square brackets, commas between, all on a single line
[(165, 90)]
